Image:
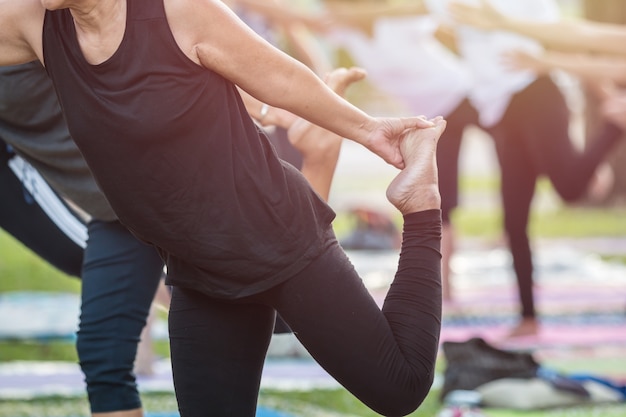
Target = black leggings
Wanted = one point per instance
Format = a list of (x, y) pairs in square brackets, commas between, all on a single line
[(26, 221), (448, 149), (532, 139), (386, 359)]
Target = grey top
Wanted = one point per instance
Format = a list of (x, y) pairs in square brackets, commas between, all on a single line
[(32, 123)]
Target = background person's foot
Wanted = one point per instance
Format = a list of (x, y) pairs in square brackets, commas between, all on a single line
[(339, 79), (307, 137), (526, 327)]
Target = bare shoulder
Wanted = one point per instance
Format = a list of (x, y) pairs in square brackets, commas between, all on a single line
[(196, 15), (21, 24), (197, 23)]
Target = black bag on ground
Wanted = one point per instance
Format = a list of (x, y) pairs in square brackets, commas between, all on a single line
[(474, 362)]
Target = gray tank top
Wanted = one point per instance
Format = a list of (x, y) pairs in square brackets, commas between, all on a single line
[(32, 123)]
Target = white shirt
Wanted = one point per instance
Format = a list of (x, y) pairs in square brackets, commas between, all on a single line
[(494, 85), (404, 60)]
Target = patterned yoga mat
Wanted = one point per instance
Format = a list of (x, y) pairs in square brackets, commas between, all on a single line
[(581, 301)]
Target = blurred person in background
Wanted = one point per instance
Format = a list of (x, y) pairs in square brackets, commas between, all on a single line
[(595, 52), (528, 118)]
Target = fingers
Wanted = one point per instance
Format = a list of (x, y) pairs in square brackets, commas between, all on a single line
[(420, 122)]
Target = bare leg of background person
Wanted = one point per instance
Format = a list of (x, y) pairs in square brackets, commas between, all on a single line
[(145, 350), (319, 147), (447, 249)]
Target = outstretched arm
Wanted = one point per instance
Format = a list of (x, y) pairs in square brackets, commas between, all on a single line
[(573, 35), (277, 11), (214, 37), (363, 14), (585, 66)]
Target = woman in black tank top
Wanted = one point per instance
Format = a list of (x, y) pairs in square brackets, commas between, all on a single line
[(149, 93)]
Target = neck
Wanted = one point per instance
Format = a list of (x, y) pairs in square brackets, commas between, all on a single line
[(97, 16), (100, 26)]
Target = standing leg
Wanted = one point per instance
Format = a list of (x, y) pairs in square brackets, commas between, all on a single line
[(120, 277), (517, 187), (218, 349)]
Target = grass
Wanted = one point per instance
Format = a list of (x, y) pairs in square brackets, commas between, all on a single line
[(21, 270), (315, 403), (485, 220)]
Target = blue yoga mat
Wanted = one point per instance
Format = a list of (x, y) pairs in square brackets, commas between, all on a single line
[(260, 412)]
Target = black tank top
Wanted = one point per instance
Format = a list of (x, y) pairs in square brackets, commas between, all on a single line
[(180, 160)]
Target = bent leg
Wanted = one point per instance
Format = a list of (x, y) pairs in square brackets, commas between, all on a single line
[(448, 150), (385, 358), (319, 147), (23, 218), (541, 113), (120, 277)]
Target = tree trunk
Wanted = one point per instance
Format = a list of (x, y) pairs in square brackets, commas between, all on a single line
[(611, 11)]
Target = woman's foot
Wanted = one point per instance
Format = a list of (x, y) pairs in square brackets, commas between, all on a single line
[(339, 79), (528, 326), (311, 139), (416, 187)]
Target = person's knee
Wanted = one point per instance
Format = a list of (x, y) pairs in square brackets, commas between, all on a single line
[(571, 194), (400, 403)]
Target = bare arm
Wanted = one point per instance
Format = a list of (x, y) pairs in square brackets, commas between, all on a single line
[(363, 14), (294, 25), (211, 35), (585, 66), (21, 24), (279, 12), (305, 48), (573, 35)]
